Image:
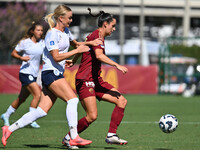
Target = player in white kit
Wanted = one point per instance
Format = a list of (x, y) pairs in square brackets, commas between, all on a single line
[(31, 47), (57, 42)]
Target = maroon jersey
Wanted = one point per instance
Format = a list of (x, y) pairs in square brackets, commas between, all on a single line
[(90, 67)]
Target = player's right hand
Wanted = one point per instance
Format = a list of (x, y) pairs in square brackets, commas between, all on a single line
[(123, 69), (25, 58), (83, 48)]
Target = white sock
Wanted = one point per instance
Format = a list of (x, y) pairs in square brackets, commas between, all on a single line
[(9, 111), (72, 116), (32, 108), (73, 132), (111, 134), (27, 118)]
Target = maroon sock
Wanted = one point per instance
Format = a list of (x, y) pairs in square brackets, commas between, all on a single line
[(82, 124), (116, 118)]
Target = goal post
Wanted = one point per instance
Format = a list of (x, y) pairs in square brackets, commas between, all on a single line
[(178, 58)]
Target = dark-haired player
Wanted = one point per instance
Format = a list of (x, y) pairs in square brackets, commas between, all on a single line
[(89, 84)]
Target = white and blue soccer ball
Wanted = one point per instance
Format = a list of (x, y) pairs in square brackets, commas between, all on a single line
[(168, 123)]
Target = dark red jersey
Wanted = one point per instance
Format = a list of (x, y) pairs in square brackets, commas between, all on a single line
[(90, 67)]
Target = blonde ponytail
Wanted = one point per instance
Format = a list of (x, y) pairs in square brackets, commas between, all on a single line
[(49, 19)]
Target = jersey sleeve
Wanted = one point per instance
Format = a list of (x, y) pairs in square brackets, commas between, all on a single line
[(92, 37), (20, 46), (51, 41)]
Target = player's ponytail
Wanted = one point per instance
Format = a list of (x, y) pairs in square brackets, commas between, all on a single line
[(49, 20), (102, 17), (97, 15)]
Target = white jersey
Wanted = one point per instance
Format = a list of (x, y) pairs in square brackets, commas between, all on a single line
[(56, 39), (34, 51)]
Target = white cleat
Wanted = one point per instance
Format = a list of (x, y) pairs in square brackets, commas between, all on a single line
[(35, 125), (5, 120), (115, 140), (66, 143)]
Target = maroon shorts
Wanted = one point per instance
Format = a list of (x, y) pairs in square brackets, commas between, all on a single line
[(92, 88)]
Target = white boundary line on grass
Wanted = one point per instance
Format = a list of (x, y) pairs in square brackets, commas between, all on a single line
[(123, 122)]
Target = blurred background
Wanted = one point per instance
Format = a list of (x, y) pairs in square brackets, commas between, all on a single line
[(159, 40)]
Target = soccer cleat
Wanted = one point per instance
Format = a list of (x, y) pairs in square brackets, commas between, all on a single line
[(5, 135), (79, 141), (5, 120), (35, 125), (66, 143), (115, 140)]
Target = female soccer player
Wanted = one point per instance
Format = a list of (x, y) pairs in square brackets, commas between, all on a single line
[(32, 46), (57, 42), (89, 84)]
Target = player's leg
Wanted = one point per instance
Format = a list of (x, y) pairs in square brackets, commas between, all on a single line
[(35, 91), (63, 90), (24, 93), (46, 102), (90, 107), (113, 96)]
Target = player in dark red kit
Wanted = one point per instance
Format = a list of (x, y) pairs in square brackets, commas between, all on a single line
[(89, 83)]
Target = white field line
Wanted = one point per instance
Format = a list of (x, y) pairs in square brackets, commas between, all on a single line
[(123, 122)]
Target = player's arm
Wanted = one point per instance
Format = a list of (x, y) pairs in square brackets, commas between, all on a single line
[(70, 63), (103, 58), (62, 56), (95, 42), (17, 56)]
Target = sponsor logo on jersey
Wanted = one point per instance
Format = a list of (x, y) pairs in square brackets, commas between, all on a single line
[(102, 46), (90, 84), (52, 43)]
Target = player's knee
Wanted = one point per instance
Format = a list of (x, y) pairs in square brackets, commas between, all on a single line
[(92, 117), (122, 102), (37, 97)]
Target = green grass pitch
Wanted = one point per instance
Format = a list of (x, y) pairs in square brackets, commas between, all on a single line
[(139, 125)]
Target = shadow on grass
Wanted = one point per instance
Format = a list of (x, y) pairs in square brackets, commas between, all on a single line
[(162, 149), (101, 147), (45, 146), (38, 146), (64, 147)]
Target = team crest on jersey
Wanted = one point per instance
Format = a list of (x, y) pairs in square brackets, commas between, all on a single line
[(91, 90), (52, 43), (30, 77), (56, 72)]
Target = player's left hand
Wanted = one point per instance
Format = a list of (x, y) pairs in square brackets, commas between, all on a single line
[(97, 42), (69, 63)]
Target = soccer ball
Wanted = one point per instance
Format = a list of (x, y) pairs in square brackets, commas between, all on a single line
[(168, 123)]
